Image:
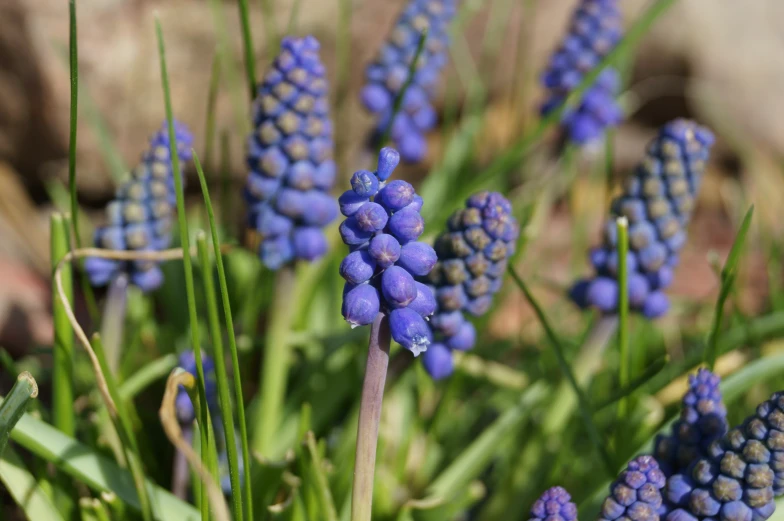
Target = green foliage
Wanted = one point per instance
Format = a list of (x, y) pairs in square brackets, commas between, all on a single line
[(547, 403)]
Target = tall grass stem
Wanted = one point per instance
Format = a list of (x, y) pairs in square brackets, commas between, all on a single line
[(622, 227), (63, 352)]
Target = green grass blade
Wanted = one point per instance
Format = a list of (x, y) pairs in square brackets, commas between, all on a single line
[(155, 370), (94, 470), (247, 48), (73, 61), (212, 98), (475, 458), (124, 428), (15, 404), (622, 227), (235, 364), (182, 219), (63, 353), (584, 403), (23, 487), (398, 102), (291, 26), (728, 276), (221, 375), (225, 195)]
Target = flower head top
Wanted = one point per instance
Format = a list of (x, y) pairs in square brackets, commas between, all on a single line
[(555, 504), (595, 29), (187, 361), (389, 72), (637, 493), (657, 201), (290, 158), (140, 217), (703, 420), (381, 228), (472, 259), (740, 475)]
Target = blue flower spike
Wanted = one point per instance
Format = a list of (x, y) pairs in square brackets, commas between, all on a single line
[(657, 200), (739, 477), (472, 258), (290, 158), (185, 411), (381, 229), (141, 216), (637, 493), (703, 420), (594, 31), (387, 74), (555, 504)]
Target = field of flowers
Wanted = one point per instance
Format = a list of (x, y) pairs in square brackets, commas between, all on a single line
[(370, 343)]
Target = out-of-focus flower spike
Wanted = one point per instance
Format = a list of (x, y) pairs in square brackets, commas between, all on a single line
[(472, 256), (185, 411), (595, 29), (388, 73), (290, 158), (141, 216), (658, 200), (637, 493), (703, 420), (555, 504)]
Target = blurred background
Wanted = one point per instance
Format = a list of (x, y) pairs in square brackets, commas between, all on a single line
[(717, 61)]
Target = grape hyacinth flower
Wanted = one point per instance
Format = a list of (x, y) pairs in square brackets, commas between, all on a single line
[(290, 158), (741, 474), (185, 411), (142, 214), (555, 504), (703, 420), (637, 493), (388, 73), (472, 260), (594, 31), (657, 200), (381, 228)]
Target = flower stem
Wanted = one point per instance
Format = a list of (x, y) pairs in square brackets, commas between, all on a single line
[(369, 418), (113, 322), (275, 368)]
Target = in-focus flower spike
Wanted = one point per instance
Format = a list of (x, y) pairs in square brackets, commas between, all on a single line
[(555, 504), (381, 228), (185, 411), (595, 29), (472, 258), (741, 474), (703, 420), (657, 201), (637, 493), (290, 158), (388, 73), (142, 214)]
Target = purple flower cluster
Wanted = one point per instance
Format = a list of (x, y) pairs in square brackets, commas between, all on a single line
[(703, 420), (389, 72), (290, 158), (740, 475), (381, 228), (142, 214), (595, 29), (185, 411), (472, 259), (657, 201), (555, 504), (637, 493)]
